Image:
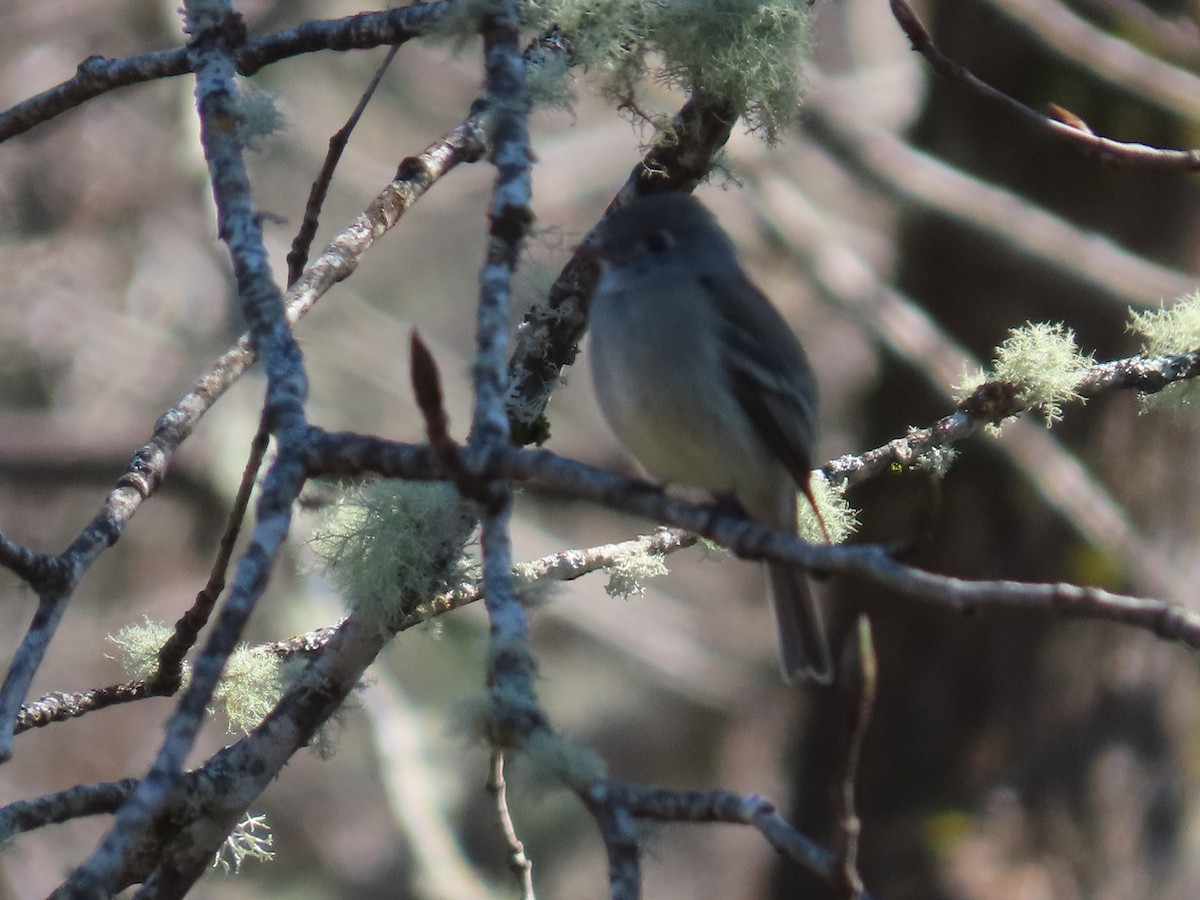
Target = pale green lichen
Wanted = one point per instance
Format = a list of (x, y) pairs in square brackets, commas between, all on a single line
[(258, 115), (140, 645), (936, 460), (251, 685), (628, 571), (250, 839), (390, 545), (1041, 362), (1166, 331), (841, 519), (745, 52), (971, 380), (1044, 362)]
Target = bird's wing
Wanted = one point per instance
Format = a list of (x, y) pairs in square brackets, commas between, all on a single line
[(780, 396)]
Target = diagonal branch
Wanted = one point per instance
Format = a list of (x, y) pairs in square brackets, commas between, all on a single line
[(548, 339), (1107, 150), (297, 257), (514, 714), (1116, 61), (857, 686), (833, 116), (993, 402), (148, 468)]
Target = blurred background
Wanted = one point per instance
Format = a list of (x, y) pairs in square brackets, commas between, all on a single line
[(903, 228)]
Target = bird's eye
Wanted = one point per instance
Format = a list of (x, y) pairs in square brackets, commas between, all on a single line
[(658, 242)]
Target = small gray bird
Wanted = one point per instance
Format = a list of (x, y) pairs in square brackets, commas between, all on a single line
[(704, 383)]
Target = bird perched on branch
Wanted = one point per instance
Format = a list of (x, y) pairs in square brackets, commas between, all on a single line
[(703, 382)]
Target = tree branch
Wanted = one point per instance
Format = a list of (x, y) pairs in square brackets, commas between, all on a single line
[(96, 75), (348, 453), (1105, 149), (216, 31), (993, 402), (548, 338)]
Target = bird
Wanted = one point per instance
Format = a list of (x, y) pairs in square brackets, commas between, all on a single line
[(702, 382)]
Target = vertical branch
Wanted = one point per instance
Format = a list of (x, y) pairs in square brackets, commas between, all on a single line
[(515, 713), (857, 683), (510, 215), (518, 861), (217, 31), (619, 832)]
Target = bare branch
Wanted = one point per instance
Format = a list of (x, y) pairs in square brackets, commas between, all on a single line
[(832, 115), (568, 478), (58, 706), (857, 686), (297, 257), (1116, 61), (99, 799), (97, 75), (518, 862), (187, 630), (1107, 150), (663, 805)]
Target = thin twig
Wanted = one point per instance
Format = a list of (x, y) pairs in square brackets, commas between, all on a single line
[(187, 630), (518, 862), (297, 257), (59, 706), (1104, 56), (1106, 149), (833, 115), (427, 388), (857, 685)]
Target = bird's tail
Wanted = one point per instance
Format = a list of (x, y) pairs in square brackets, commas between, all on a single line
[(803, 647)]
